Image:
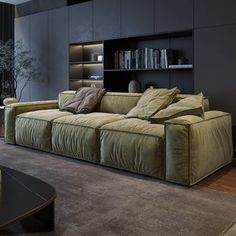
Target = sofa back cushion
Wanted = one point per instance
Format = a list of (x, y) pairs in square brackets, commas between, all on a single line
[(112, 102), (65, 96), (120, 103)]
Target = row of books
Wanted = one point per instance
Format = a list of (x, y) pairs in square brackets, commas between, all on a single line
[(144, 58)]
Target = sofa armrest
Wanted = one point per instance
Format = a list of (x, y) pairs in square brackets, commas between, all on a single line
[(12, 110), (197, 147)]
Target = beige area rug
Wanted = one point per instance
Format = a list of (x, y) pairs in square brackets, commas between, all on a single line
[(94, 200)]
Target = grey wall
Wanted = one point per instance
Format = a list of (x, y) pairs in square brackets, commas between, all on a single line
[(35, 6), (45, 34), (213, 23), (215, 52)]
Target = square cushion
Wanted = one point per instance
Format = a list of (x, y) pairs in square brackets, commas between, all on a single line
[(192, 105), (134, 145), (151, 102), (77, 136), (33, 128)]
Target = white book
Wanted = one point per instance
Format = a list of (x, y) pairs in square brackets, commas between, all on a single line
[(136, 59), (163, 59), (180, 66), (145, 58)]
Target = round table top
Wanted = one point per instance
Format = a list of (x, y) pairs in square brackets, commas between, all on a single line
[(21, 195)]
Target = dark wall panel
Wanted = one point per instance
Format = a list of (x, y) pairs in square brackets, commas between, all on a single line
[(36, 6), (106, 19), (39, 48), (22, 33), (81, 22), (172, 15), (137, 17), (214, 12), (58, 52), (214, 66), (183, 80)]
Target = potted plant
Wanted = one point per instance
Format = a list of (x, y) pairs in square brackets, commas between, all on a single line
[(19, 65)]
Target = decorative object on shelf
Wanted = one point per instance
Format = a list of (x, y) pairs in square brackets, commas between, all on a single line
[(20, 65), (8, 101), (182, 61), (99, 57), (94, 57), (95, 77), (134, 86)]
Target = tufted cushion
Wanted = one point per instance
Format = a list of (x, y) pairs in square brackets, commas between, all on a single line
[(33, 129), (78, 135), (135, 145)]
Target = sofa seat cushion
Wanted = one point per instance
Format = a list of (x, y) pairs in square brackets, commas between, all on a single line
[(33, 128), (134, 144), (77, 136)]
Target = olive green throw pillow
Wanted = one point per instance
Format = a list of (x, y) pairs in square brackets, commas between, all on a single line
[(151, 102), (192, 105)]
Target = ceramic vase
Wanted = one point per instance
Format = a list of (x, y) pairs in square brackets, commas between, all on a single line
[(134, 86)]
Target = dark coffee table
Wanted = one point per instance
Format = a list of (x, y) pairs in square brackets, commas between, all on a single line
[(26, 203)]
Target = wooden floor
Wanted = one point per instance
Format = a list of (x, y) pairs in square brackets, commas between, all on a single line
[(223, 180)]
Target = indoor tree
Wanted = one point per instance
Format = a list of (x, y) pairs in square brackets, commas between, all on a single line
[(19, 64)]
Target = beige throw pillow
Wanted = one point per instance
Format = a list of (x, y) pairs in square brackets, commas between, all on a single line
[(152, 101), (192, 105)]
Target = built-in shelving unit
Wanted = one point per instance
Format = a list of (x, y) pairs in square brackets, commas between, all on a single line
[(117, 78), (105, 64), (86, 65)]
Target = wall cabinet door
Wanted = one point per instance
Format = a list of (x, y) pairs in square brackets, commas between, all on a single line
[(22, 33), (106, 19), (172, 15), (58, 52), (81, 22), (214, 12), (137, 17), (39, 48), (214, 66)]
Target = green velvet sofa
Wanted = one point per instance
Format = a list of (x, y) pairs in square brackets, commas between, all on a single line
[(183, 150)]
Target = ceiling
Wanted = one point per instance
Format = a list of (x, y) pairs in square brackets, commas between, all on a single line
[(14, 1)]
